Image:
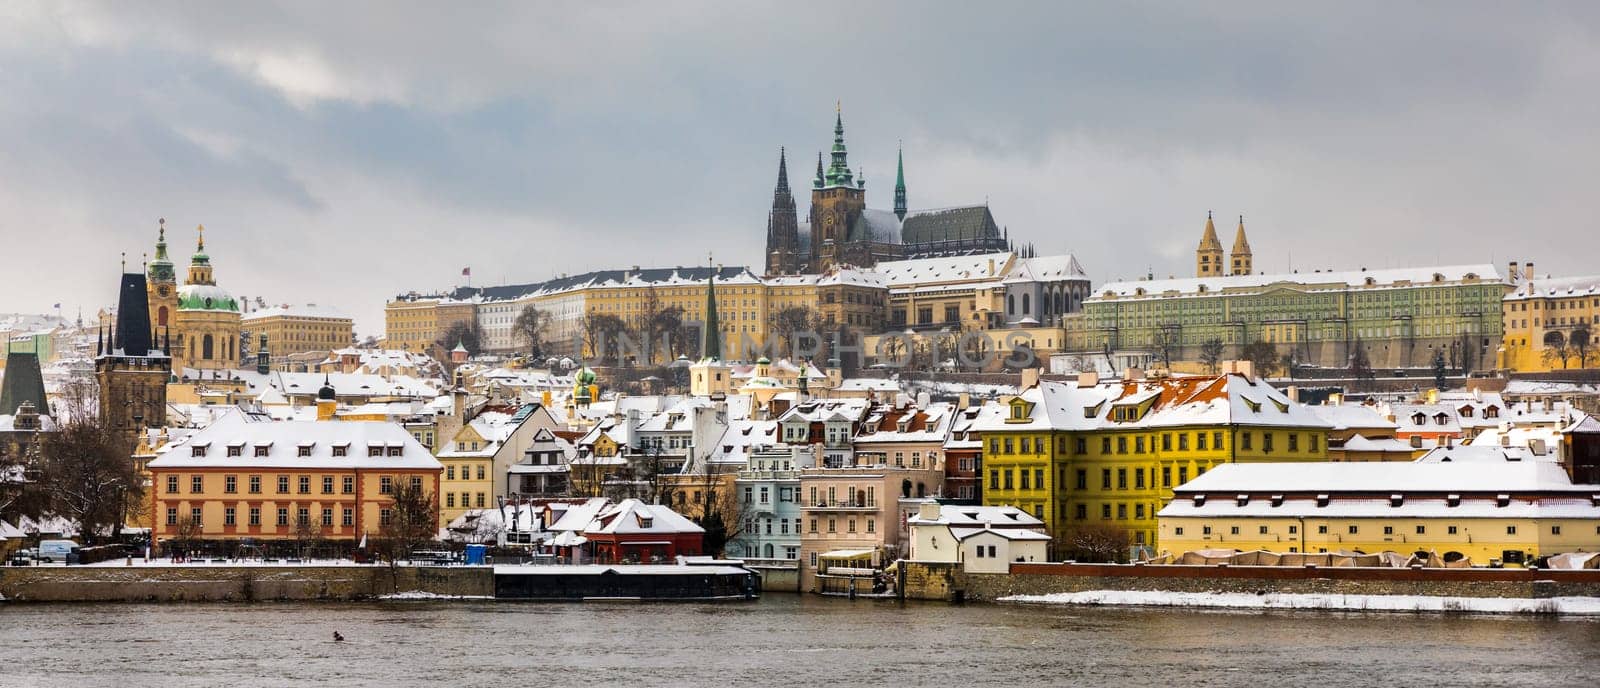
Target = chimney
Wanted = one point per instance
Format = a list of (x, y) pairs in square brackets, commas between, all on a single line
[(1416, 441), (1030, 377), (1132, 374), (1512, 274), (928, 511), (1336, 399), (963, 401), (1527, 271), (1088, 379), (1294, 393)]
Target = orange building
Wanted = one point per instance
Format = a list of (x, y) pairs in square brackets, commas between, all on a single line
[(243, 478)]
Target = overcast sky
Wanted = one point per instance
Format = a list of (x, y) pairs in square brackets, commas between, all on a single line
[(340, 153)]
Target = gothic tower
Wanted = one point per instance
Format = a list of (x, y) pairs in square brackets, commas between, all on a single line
[(1242, 261), (783, 226), (837, 200), (1208, 258), (132, 367), (900, 184)]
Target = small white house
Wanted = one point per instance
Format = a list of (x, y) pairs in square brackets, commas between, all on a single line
[(983, 539)]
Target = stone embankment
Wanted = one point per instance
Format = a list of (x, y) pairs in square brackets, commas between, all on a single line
[(218, 582), (933, 581)]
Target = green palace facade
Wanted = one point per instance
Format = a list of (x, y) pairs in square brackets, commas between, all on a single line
[(1400, 316)]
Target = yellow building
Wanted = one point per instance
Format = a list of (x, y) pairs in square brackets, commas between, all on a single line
[(414, 323), (468, 461), (1550, 323), (1507, 511), (299, 329), (241, 478), (1092, 453), (199, 318)]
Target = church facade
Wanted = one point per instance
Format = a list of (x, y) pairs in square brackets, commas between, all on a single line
[(202, 319), (840, 230)]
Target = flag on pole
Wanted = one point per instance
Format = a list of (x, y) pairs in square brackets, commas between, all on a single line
[(466, 272)]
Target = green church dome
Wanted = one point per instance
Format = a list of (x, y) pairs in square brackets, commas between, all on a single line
[(206, 297)]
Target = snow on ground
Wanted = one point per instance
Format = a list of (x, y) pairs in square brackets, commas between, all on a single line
[(1392, 603), (424, 595)]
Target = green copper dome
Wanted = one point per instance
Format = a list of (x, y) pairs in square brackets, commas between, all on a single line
[(206, 297)]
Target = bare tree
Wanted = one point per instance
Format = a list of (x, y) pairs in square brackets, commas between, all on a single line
[(1360, 367), (1167, 341), (1581, 342), (85, 469), (413, 521), (1555, 348), (529, 329), (307, 535), (1211, 355), (791, 321), (601, 335), (185, 537), (1263, 357), (1098, 543), (467, 333)]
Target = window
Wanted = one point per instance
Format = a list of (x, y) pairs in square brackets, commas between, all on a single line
[(994, 480), (833, 525), (1166, 476), (1266, 442), (1082, 477), (1166, 441), (341, 450), (1555, 530), (1354, 530), (229, 517), (1105, 478), (1178, 530), (1007, 474), (1263, 530), (172, 484), (262, 450), (194, 516), (1122, 512), (1138, 444), (479, 500), (1216, 439), (255, 484), (1294, 441), (303, 450), (1450, 530), (1183, 474), (375, 450), (255, 516), (449, 472), (1244, 440), (1105, 512), (1081, 445), (1511, 530), (1122, 478), (1138, 478), (235, 450), (348, 485), (1038, 478), (230, 484), (283, 517), (172, 516), (872, 525), (1082, 512), (1200, 441), (1105, 445), (1388, 530), (1122, 445), (386, 485), (348, 517), (305, 484), (385, 516), (1138, 511), (1023, 478), (450, 500), (283, 484), (1234, 530), (416, 482), (197, 483), (1205, 530), (1314, 443), (1322, 530), (480, 470)]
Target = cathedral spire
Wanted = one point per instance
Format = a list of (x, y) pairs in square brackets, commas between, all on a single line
[(783, 172), (819, 180), (839, 170), (1243, 262), (900, 183)]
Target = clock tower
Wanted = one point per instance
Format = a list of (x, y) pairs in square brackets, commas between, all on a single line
[(163, 278)]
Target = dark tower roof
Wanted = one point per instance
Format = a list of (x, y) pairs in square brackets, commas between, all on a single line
[(711, 346), (783, 173), (327, 392), (23, 383), (133, 334)]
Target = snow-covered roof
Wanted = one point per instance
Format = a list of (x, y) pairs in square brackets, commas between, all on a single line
[(282, 442), (634, 517), (1384, 478), (1450, 275), (1555, 288), (986, 267), (309, 310), (1352, 417), (1171, 402), (1480, 453), (980, 517)]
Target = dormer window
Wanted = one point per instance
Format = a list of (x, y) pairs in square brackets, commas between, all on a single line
[(1322, 500), (1397, 500), (1491, 412), (262, 450), (235, 450), (1277, 500), (1502, 500), (303, 450), (1418, 418), (198, 450), (374, 450), (646, 522), (1452, 500), (341, 450), (1241, 500), (396, 451), (1199, 500)]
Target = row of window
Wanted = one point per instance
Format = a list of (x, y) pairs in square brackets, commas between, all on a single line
[(466, 501), (301, 451), (450, 472), (1356, 530), (1142, 444), (302, 484), (302, 517), (833, 525), (1002, 478)]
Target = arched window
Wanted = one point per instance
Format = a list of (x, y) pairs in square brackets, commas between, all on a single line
[(1025, 304), (1011, 304), (922, 490), (766, 551), (206, 348), (161, 316), (905, 488)]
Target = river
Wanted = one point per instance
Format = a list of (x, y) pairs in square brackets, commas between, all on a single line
[(780, 640)]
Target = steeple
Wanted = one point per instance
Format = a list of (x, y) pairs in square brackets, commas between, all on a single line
[(900, 183), (160, 269), (818, 181), (839, 171), (1243, 262), (1208, 258), (711, 344), (783, 225), (783, 173), (200, 263)]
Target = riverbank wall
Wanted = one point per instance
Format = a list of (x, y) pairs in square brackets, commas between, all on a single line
[(237, 583), (939, 581)]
